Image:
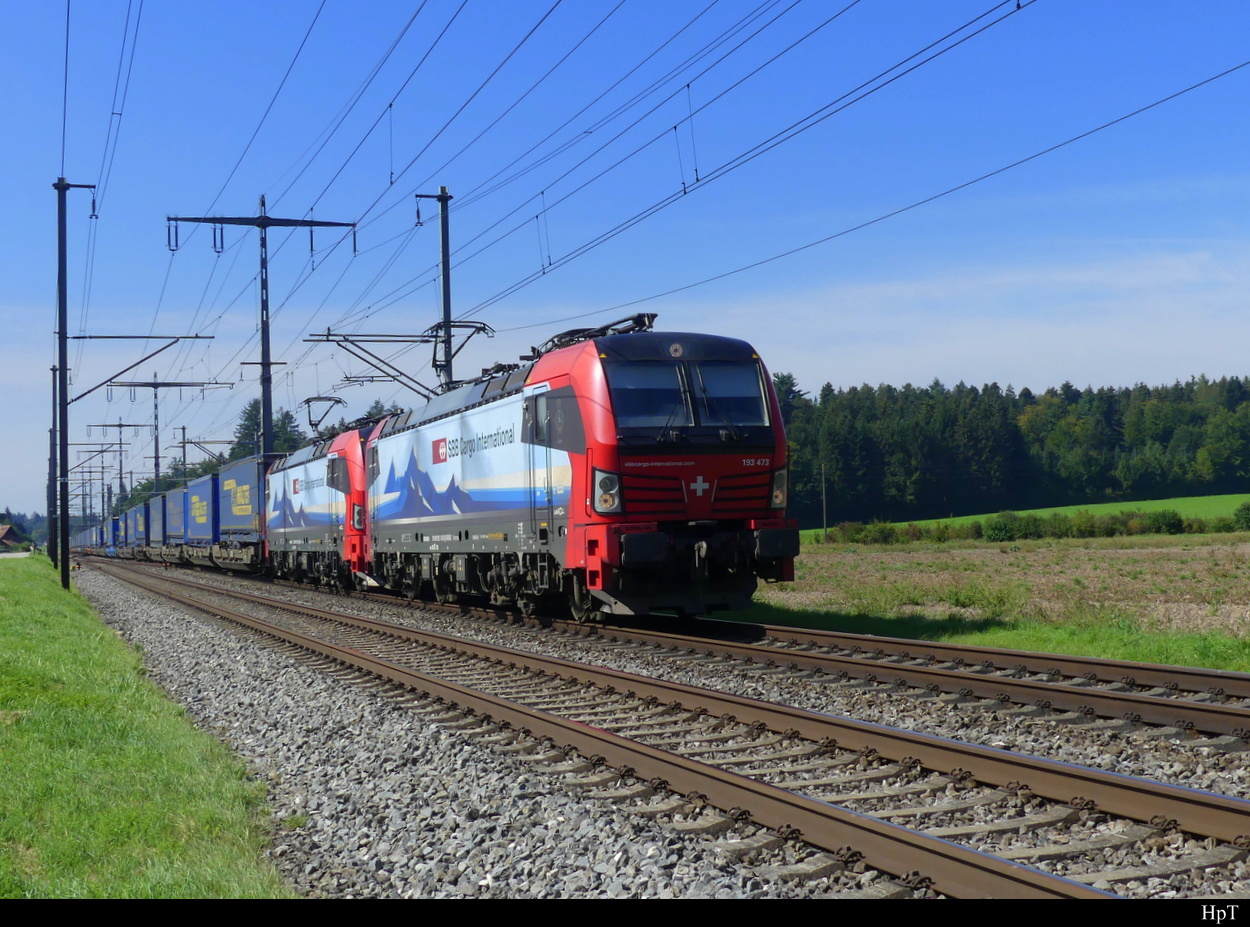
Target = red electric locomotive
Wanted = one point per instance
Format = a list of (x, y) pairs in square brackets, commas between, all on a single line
[(617, 470), (624, 470), (316, 519)]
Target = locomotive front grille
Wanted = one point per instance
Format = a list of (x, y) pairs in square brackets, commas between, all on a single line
[(733, 496), (743, 494), (662, 496)]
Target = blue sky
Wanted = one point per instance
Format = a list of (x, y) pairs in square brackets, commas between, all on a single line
[(1121, 258)]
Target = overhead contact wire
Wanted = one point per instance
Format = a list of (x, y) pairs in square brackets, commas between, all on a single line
[(904, 209)]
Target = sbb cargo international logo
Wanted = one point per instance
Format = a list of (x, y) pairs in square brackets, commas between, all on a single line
[(439, 451)]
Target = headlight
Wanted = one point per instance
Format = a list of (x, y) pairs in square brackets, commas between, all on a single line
[(606, 488), (780, 489)]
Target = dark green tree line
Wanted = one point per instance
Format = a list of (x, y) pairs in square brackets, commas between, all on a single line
[(900, 453)]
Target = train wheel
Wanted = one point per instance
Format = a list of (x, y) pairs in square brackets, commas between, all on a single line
[(444, 592), (581, 602)]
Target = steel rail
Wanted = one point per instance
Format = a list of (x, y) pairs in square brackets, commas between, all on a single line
[(1188, 678), (950, 868), (1187, 714), (1204, 813)]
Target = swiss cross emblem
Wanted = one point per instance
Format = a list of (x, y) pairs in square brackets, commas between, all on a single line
[(699, 485), (440, 451)]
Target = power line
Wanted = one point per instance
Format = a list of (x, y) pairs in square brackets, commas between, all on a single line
[(268, 109), (476, 193), (902, 209), (872, 85), (690, 60), (239, 161), (460, 110), (348, 107), (65, 91), (517, 102)]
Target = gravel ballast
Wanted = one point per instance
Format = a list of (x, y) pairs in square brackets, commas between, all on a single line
[(378, 823), (371, 799)]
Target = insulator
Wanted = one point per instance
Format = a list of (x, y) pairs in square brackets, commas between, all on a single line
[(171, 236), (219, 238)]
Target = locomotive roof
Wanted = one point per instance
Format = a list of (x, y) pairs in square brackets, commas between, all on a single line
[(625, 347), (462, 397), (653, 346)]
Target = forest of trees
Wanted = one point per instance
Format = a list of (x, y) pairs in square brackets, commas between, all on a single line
[(905, 453)]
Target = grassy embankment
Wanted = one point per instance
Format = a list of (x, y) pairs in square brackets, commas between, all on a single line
[(1188, 506), (1202, 507), (1181, 599), (108, 791)]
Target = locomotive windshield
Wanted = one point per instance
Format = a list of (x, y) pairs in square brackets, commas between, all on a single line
[(681, 395), (649, 396), (729, 393)]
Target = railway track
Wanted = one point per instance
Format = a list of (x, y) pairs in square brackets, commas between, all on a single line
[(1187, 698), (787, 768), (1196, 700), (1188, 702)]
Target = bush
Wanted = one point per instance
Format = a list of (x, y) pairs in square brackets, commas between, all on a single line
[(879, 532), (1165, 521), (968, 531), (1058, 525), (1197, 526), (1030, 527), (1084, 525), (847, 532), (1005, 526), (1241, 517), (1108, 526)]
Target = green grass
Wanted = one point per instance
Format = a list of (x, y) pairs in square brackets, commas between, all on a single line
[(108, 791), (1151, 598), (1188, 506), (1107, 633)]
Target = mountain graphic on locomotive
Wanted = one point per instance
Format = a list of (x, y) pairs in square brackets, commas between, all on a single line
[(617, 470)]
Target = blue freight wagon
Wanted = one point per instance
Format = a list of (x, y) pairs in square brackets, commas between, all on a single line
[(202, 519), (240, 508), (175, 525), (156, 526)]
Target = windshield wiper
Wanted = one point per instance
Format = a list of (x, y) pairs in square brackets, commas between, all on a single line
[(668, 432), (709, 403)]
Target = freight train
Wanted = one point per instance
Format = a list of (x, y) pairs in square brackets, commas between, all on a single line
[(615, 471)]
